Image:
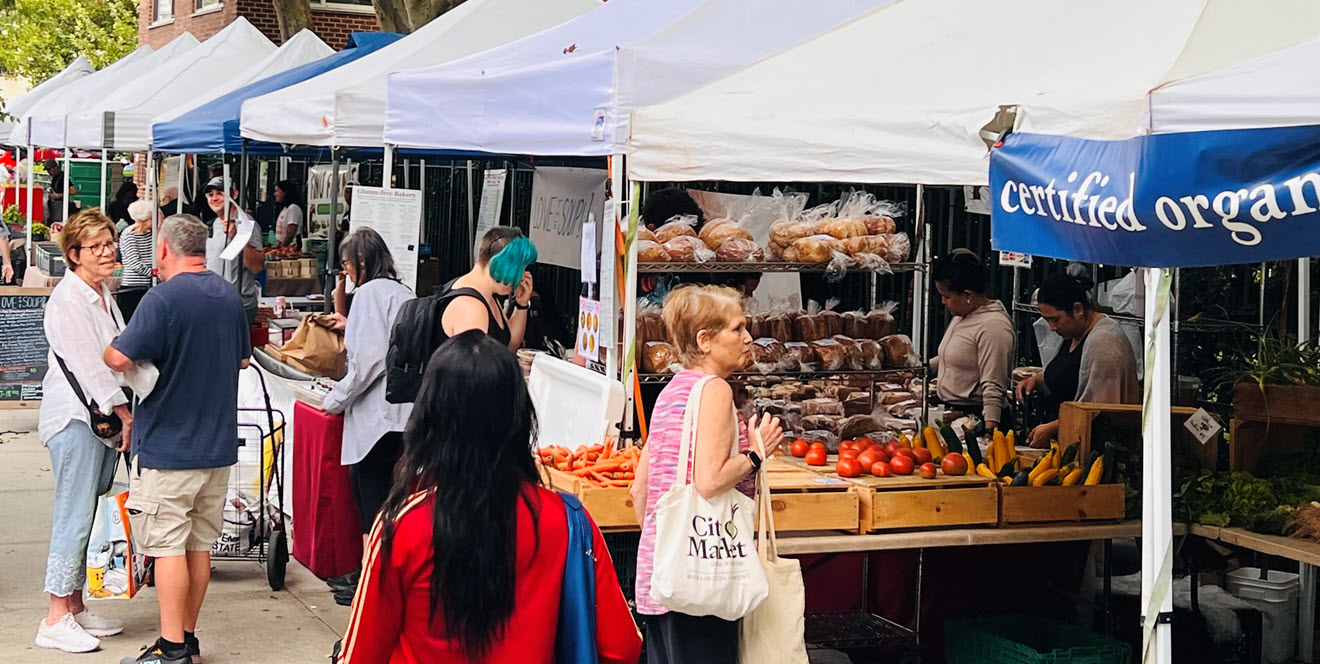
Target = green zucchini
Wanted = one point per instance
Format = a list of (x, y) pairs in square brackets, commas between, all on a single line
[(1020, 479), (973, 448), (951, 439)]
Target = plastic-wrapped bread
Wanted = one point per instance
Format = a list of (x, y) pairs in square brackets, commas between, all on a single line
[(774, 252), (867, 244), (650, 327), (833, 322), (880, 323), (688, 249), (679, 227), (900, 247), (784, 233), (858, 425), (810, 327), (719, 231), (879, 224), (778, 326), (851, 350), (857, 403), (645, 233), (790, 255), (831, 353), (873, 356), (767, 351), (757, 327), (650, 251), (842, 228), (659, 357), (854, 324), (890, 398), (822, 406), (738, 249), (898, 351), (795, 354), (816, 249)]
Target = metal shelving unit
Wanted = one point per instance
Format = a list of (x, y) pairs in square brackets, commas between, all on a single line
[(856, 630), (660, 378), (768, 266)]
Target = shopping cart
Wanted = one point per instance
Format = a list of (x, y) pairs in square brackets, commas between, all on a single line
[(254, 527)]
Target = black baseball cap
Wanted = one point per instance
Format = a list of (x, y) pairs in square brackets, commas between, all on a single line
[(217, 184)]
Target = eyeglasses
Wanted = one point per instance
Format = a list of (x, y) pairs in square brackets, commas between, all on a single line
[(101, 248)]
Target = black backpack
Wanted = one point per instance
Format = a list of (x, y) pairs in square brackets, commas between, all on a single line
[(412, 341)]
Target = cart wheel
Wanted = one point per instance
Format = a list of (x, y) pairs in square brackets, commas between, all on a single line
[(278, 559)]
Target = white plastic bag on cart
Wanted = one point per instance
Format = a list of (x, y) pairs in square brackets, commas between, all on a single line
[(238, 533)]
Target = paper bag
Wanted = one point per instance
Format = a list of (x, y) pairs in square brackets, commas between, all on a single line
[(316, 349), (113, 570)]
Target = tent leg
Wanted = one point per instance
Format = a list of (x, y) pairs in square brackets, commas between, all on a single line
[(608, 252), (242, 175), (155, 223), (31, 174), (1303, 300), (387, 177), (178, 199), (104, 184), (64, 214), (1157, 517), (919, 277), (471, 203), (332, 259)]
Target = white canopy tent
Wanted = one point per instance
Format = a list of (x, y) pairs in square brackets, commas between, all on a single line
[(346, 107), (43, 125), (15, 109), (544, 94), (298, 50), (881, 100), (122, 120)]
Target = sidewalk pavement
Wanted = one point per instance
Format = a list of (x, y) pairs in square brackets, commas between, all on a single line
[(242, 622)]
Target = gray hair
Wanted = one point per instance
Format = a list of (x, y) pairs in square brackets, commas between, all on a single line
[(140, 210), (185, 235)]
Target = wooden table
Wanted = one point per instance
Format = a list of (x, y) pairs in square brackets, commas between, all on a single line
[(805, 543)]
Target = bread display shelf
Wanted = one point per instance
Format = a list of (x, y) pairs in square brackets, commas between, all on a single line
[(766, 266), (799, 375)]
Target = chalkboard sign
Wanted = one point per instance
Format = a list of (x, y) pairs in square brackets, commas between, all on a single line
[(24, 351)]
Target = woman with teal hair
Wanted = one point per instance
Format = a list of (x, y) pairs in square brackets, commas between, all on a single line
[(500, 272)]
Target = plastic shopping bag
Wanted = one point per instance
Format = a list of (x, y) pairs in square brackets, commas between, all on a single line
[(705, 560), (113, 570)]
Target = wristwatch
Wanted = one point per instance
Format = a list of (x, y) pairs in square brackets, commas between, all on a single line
[(521, 307), (754, 458)]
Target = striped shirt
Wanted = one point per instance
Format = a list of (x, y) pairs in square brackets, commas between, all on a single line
[(663, 463), (135, 249)]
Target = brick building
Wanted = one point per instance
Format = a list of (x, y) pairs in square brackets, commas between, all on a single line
[(159, 21)]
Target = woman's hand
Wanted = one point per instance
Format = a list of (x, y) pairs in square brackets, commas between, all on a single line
[(522, 294), (771, 434), (127, 438), (338, 322), (1028, 386), (1041, 436)]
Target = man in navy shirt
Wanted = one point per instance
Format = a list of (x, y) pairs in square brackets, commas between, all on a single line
[(185, 434)]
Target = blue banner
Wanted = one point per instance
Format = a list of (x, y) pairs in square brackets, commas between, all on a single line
[(1166, 200)]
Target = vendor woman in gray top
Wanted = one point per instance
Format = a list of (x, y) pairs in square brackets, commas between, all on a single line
[(1096, 363), (975, 360)]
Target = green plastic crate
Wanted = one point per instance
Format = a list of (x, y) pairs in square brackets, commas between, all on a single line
[(1028, 640)]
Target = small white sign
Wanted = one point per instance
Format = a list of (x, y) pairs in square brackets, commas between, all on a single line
[(492, 203), (1014, 259), (588, 260), (588, 336), (598, 125), (562, 201), (1203, 426), (396, 214)]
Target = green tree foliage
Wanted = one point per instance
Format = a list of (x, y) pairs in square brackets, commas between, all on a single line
[(41, 37)]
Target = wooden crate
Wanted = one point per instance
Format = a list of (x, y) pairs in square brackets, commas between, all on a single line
[(610, 508), (1281, 404), (1249, 441), (893, 503), (1078, 422), (1048, 504)]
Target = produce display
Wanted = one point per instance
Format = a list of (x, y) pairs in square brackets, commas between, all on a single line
[(901, 456), (599, 465)]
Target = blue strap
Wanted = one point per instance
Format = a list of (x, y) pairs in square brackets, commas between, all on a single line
[(575, 642)]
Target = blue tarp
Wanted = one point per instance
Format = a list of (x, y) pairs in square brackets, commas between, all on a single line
[(214, 127), (1163, 200)]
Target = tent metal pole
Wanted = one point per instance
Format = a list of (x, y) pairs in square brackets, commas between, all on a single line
[(407, 175), (242, 174), (1307, 573), (1157, 517), (331, 260), (31, 175), (608, 251), (629, 305), (471, 203), (178, 199), (155, 225), (919, 277), (284, 168), (64, 214), (1303, 300), (104, 184), (387, 176)]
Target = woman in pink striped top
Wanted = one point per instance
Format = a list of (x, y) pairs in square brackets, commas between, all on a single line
[(707, 327)]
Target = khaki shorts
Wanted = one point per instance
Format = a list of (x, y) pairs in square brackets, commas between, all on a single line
[(176, 511)]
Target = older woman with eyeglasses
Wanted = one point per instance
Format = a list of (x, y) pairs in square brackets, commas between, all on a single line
[(81, 319)]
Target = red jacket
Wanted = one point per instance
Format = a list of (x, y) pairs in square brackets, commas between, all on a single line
[(389, 621)]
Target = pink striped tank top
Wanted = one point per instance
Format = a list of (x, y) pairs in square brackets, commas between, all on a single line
[(662, 471)]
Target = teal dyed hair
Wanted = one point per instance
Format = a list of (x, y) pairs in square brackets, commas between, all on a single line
[(508, 265)]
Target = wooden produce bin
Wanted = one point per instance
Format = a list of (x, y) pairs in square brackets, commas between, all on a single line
[(1084, 423), (610, 508), (1276, 421), (1050, 504)]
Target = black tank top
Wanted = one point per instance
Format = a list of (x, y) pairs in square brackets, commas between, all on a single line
[(493, 329), (1061, 378)]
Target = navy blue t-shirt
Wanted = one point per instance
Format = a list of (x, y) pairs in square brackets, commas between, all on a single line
[(193, 328)]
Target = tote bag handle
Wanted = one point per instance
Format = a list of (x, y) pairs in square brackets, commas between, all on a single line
[(687, 446)]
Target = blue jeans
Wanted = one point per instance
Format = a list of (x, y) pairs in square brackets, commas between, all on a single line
[(84, 469)]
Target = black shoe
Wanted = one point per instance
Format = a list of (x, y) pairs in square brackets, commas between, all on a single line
[(344, 596), (349, 580), (194, 650), (153, 654)]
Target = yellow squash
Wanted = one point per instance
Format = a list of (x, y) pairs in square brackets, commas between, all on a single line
[(1073, 477), (1045, 477), (1097, 469)]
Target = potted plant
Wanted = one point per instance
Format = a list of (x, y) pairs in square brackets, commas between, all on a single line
[(1279, 383)]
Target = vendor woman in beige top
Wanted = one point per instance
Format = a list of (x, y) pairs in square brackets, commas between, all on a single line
[(975, 359)]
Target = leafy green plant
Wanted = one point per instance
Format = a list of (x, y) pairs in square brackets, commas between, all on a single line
[(12, 216)]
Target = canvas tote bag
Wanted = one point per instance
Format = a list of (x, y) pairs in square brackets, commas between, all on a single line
[(705, 561), (775, 632)]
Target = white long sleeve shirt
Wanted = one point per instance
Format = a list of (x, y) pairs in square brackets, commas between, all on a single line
[(360, 396), (78, 328)]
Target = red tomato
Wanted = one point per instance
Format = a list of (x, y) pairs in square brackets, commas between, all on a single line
[(876, 446), (905, 452), (928, 471), (816, 445), (901, 465), (865, 440), (867, 459), (892, 448), (882, 455), (954, 464), (922, 455), (848, 467), (816, 457), (848, 453), (881, 469), (800, 448)]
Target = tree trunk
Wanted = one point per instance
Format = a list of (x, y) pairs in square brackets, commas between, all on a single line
[(392, 15), (421, 12), (293, 15)]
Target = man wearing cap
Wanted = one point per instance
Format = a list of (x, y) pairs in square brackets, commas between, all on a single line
[(241, 271)]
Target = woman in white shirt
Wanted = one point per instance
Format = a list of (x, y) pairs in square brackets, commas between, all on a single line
[(373, 427), (289, 225), (81, 319)]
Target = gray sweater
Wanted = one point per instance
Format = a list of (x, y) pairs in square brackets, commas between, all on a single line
[(1109, 366)]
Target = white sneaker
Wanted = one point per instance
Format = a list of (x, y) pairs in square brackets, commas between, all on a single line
[(66, 635), (98, 625)]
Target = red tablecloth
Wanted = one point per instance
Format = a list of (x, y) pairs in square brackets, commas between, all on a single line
[(327, 536)]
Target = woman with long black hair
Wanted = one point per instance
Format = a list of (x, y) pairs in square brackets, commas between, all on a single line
[(466, 563), (289, 223), (118, 208)]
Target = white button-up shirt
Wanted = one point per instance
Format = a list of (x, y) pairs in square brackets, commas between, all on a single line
[(360, 396), (78, 328)]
